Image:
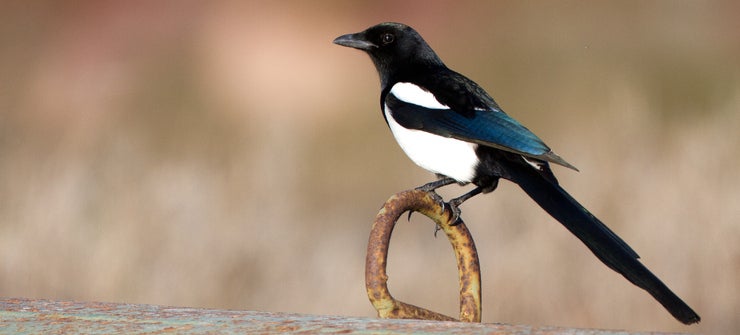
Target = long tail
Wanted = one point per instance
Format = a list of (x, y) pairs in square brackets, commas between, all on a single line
[(604, 243)]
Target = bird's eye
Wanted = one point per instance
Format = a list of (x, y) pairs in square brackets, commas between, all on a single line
[(387, 38)]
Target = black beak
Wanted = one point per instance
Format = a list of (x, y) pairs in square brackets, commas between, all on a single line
[(356, 41)]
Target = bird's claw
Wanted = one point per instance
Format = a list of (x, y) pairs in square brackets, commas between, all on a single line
[(441, 202), (438, 199), (454, 203), (455, 213), (456, 220)]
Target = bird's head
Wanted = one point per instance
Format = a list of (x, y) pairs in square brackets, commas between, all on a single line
[(393, 47)]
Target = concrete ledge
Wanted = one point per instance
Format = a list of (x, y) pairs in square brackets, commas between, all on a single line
[(26, 316)]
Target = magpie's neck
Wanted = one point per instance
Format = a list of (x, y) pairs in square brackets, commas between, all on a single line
[(410, 65), (413, 72)]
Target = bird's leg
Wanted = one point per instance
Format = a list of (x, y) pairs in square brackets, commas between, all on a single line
[(456, 202), (431, 186)]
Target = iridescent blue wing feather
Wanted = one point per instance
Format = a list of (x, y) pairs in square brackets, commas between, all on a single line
[(492, 128)]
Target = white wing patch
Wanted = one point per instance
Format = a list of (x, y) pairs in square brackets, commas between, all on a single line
[(443, 155), (413, 94)]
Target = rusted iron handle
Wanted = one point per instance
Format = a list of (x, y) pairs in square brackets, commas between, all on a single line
[(468, 267)]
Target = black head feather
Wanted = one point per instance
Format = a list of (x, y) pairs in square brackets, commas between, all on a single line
[(394, 48)]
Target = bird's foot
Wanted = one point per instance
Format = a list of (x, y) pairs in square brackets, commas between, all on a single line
[(441, 202), (455, 204), (454, 207)]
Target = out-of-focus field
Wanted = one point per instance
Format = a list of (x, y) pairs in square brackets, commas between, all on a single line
[(227, 155)]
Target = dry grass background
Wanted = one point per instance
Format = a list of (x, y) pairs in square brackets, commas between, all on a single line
[(227, 155)]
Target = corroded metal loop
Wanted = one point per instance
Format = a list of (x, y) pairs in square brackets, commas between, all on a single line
[(432, 206)]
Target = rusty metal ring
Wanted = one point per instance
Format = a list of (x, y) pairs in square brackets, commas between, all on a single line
[(432, 206)]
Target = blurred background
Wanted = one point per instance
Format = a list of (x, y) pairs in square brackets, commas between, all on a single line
[(228, 155)]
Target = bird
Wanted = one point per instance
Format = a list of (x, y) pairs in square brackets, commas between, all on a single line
[(450, 126)]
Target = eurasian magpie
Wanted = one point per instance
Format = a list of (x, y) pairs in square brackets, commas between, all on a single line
[(449, 125)]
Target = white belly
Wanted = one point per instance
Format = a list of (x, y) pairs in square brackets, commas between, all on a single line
[(443, 155)]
